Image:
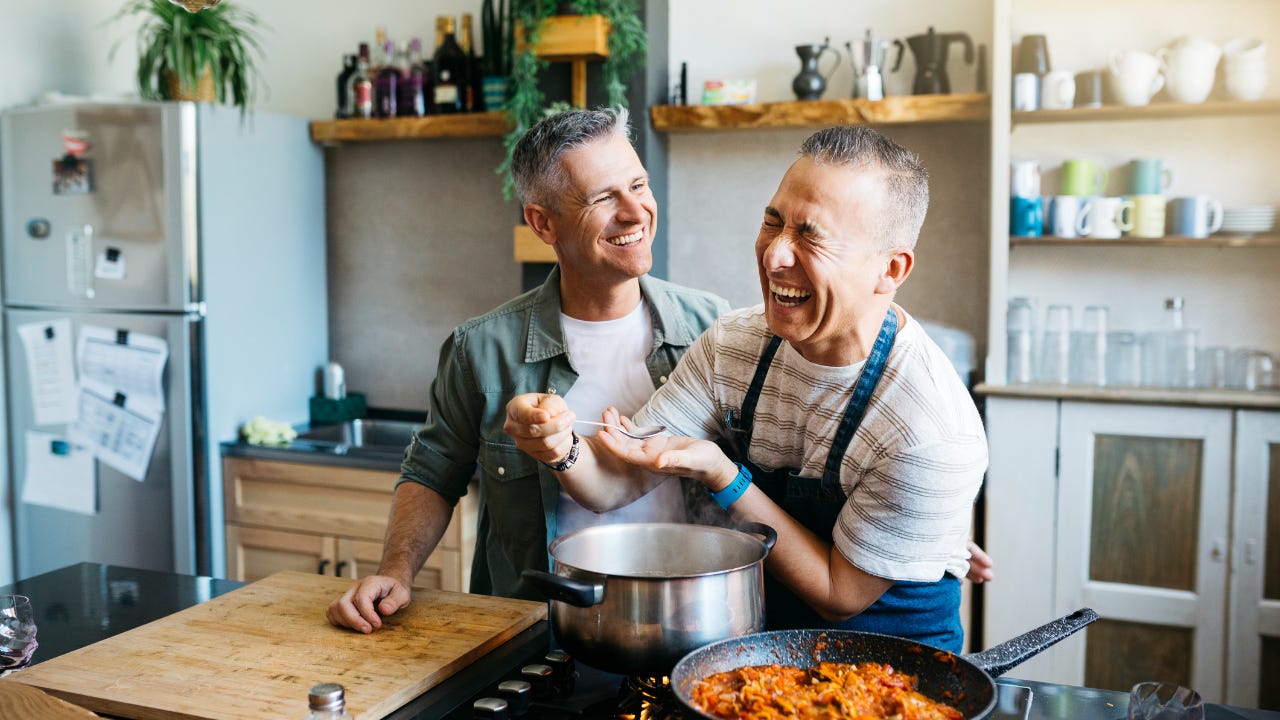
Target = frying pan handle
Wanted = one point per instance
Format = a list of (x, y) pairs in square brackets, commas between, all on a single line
[(1009, 654), (558, 587), (770, 535)]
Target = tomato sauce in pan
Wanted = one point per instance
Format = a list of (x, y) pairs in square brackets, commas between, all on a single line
[(862, 691)]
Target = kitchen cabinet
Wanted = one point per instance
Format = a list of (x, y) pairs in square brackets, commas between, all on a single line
[(327, 519), (1154, 515)]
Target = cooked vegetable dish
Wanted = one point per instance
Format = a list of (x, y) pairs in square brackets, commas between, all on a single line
[(865, 691)]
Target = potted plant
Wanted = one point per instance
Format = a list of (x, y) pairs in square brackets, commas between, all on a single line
[(499, 42), (526, 103), (205, 56)]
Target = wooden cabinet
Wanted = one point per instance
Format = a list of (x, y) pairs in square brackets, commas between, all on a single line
[(1156, 516), (327, 519)]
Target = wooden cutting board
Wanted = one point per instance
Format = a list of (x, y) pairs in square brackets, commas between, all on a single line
[(254, 653)]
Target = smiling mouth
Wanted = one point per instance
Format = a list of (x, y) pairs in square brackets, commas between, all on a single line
[(628, 239), (788, 297)]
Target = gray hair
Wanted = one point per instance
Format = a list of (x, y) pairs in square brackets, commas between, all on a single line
[(535, 165), (906, 182)]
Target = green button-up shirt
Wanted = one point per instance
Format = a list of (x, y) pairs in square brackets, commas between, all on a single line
[(519, 348)]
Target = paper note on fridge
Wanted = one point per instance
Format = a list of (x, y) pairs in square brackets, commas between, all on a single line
[(49, 364), (59, 474), (120, 361), (118, 432)]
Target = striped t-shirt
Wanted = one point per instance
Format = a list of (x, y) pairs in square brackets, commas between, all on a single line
[(912, 470)]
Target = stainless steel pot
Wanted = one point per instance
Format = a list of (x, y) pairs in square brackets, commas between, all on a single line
[(635, 598)]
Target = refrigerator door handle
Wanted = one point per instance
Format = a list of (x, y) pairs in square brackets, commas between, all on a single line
[(80, 262)]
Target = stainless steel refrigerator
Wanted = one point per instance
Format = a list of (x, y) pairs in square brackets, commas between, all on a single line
[(181, 221)]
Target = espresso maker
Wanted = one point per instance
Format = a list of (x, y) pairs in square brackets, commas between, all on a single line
[(930, 53), (867, 57)]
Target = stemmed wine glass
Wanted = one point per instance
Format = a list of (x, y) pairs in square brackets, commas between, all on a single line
[(17, 632)]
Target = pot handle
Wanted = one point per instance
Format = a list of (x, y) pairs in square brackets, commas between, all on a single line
[(770, 535), (558, 587), (1009, 654)]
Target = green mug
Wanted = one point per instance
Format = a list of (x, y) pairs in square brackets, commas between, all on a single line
[(1082, 177)]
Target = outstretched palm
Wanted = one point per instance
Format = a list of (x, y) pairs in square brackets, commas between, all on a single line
[(666, 454)]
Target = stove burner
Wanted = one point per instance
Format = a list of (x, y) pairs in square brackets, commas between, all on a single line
[(648, 698)]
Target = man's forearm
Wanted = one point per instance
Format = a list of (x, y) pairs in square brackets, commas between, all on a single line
[(599, 481), (419, 517)]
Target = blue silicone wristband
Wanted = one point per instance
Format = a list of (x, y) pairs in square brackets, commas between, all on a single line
[(730, 494)]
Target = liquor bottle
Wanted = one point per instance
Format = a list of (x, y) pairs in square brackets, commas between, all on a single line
[(450, 72), (362, 86), (327, 701), (345, 106), (412, 100), (439, 35), (473, 98), (386, 84), (379, 42)]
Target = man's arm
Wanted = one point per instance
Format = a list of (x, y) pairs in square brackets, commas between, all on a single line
[(419, 517)]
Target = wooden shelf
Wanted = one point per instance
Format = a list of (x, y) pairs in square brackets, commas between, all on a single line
[(462, 125), (529, 248), (1219, 241), (1205, 397), (1148, 112), (898, 110)]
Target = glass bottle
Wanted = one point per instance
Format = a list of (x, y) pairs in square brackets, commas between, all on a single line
[(412, 99), (362, 86), (386, 84), (328, 702), (345, 107), (450, 69), (472, 96)]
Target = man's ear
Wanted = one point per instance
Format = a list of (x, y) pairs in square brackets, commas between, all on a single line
[(538, 218), (900, 262)]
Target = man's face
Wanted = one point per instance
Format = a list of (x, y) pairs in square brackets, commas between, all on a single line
[(819, 262), (607, 216)]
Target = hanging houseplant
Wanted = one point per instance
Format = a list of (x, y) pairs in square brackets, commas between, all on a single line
[(526, 104), (207, 56)]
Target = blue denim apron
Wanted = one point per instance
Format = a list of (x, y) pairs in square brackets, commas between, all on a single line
[(924, 611)]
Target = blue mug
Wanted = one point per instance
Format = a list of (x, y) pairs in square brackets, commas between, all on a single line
[(1026, 216)]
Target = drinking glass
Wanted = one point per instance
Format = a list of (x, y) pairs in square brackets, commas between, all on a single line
[(1251, 369), (1164, 701), (1183, 353), (1124, 359), (1089, 348), (1021, 353), (1212, 370), (1155, 358), (17, 631), (1055, 357)]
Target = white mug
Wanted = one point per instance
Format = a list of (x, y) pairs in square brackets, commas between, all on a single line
[(1064, 215), (1135, 76), (1026, 91), (1057, 90), (1105, 217), (1191, 64), (1244, 51), (1246, 84), (1024, 179)]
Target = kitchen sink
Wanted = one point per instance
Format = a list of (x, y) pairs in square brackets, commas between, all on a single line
[(368, 434)]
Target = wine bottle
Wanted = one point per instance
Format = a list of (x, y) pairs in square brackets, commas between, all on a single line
[(412, 100), (474, 100), (450, 72), (386, 84), (345, 107), (362, 86)]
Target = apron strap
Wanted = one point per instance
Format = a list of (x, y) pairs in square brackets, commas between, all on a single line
[(862, 391), (748, 417)]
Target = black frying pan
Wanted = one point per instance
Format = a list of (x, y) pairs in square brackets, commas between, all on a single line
[(963, 681)]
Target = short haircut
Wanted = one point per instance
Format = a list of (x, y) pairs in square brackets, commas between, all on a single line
[(535, 162), (906, 182)]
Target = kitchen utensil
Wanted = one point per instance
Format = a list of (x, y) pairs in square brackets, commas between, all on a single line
[(1057, 90), (1089, 89), (1064, 216), (1106, 218), (1148, 176), (1021, 357), (1190, 65), (1082, 177), (1148, 216), (965, 681), (930, 53), (17, 631), (1055, 350), (1135, 76), (258, 649), (1195, 216), (1033, 55), (810, 83), (1089, 348), (1164, 701), (867, 57), (640, 433), (635, 598), (1026, 216), (1024, 178), (1026, 92)]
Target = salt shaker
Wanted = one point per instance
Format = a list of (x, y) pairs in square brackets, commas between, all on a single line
[(328, 702)]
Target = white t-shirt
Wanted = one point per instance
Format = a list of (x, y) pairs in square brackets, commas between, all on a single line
[(912, 469), (609, 358)]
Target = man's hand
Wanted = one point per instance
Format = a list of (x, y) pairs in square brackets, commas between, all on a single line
[(364, 604), (701, 460), (981, 566), (541, 425)]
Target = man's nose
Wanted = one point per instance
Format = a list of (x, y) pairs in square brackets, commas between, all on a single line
[(631, 209), (779, 252)]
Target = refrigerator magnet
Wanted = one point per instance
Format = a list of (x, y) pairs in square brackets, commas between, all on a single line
[(72, 175), (110, 264)]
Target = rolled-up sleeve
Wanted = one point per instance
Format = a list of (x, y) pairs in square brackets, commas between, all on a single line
[(442, 454)]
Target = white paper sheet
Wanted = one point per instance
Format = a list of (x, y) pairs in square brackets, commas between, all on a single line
[(59, 474), (50, 369), (134, 368), (122, 436)]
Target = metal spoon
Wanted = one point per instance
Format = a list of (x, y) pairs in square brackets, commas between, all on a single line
[(640, 433)]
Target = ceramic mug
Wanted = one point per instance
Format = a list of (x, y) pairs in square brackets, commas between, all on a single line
[(1148, 216), (1026, 216), (1195, 216), (1089, 89), (1064, 216), (1135, 76), (1026, 92), (1246, 85), (1082, 177), (1191, 64), (1105, 217), (1024, 178), (1148, 176), (1057, 90)]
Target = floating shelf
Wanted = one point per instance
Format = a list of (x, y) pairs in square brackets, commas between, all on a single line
[(461, 125), (1216, 241), (1149, 112), (1207, 397), (897, 110), (529, 248)]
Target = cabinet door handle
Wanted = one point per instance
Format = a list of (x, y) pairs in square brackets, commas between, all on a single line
[(337, 570), (321, 567), (1219, 550), (1251, 552)]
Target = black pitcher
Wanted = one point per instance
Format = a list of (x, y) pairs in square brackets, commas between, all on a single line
[(810, 83)]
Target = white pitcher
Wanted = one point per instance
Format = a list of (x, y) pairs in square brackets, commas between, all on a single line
[(1135, 76), (1191, 63)]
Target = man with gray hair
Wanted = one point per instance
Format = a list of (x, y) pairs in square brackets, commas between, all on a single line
[(599, 332), (851, 433)]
